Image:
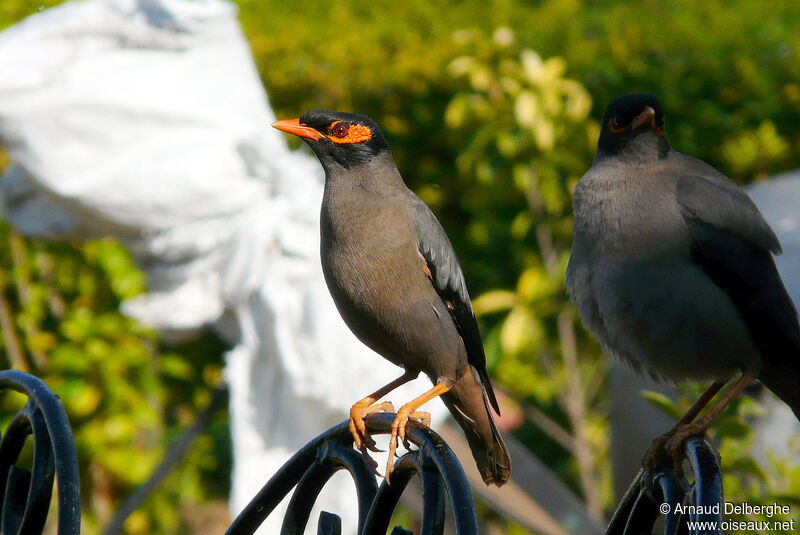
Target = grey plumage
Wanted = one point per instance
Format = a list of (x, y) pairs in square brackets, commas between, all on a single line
[(448, 280), (671, 266), (397, 282)]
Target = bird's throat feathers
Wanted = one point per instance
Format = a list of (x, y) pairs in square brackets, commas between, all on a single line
[(377, 174), (639, 148)]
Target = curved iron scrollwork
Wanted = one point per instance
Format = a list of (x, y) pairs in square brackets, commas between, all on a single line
[(311, 467), (645, 499), (25, 494)]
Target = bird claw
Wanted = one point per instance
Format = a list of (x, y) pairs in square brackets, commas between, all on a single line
[(370, 444), (416, 418), (675, 442), (390, 458), (399, 425), (398, 433), (653, 458), (358, 429), (423, 418), (674, 445), (669, 447), (373, 464), (389, 470)]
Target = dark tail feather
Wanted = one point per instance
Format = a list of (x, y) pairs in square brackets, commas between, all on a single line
[(469, 405), (784, 382)]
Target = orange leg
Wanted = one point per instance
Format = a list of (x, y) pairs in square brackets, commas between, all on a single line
[(675, 442), (409, 411), (366, 406), (707, 396), (657, 445)]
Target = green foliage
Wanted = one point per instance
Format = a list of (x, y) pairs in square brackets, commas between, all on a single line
[(125, 396), (12, 11), (487, 108), (466, 128), (722, 68), (716, 83), (476, 130), (527, 137)]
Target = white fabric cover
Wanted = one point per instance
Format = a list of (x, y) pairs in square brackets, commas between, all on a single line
[(146, 120)]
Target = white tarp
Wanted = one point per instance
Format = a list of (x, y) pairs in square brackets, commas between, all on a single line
[(146, 120)]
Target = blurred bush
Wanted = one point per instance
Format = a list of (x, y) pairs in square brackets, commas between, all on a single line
[(487, 108), (126, 397), (730, 100), (493, 127), (527, 138)]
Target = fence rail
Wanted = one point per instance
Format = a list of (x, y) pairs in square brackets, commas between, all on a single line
[(25, 494), (311, 467), (643, 502)]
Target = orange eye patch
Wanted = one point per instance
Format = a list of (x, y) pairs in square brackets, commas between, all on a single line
[(343, 133), (614, 126)]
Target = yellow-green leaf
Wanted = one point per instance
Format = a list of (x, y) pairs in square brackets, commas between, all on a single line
[(494, 301)]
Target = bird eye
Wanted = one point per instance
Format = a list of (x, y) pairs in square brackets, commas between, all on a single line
[(341, 129), (615, 126)]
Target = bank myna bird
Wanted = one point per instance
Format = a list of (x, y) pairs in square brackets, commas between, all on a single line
[(672, 270), (397, 283)]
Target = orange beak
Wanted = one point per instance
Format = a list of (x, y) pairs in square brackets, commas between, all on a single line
[(648, 116), (293, 126)]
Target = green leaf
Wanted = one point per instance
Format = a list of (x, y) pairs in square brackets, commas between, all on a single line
[(663, 403), (494, 301)]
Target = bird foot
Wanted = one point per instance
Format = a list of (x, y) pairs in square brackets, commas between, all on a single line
[(674, 444), (656, 457), (668, 448), (359, 411), (399, 433), (373, 464)]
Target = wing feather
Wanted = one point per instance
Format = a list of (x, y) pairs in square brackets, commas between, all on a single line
[(733, 244), (448, 279)]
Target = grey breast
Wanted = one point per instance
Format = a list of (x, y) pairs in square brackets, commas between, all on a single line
[(371, 265), (635, 286)]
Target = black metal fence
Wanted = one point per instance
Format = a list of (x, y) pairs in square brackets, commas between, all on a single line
[(659, 495), (311, 467), (25, 494)]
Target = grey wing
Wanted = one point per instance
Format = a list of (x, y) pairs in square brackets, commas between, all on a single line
[(733, 244), (718, 201), (448, 280)]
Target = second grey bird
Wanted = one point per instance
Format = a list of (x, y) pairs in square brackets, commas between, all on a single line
[(672, 268)]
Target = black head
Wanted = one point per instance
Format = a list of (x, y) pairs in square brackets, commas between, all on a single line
[(348, 139), (633, 127)]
